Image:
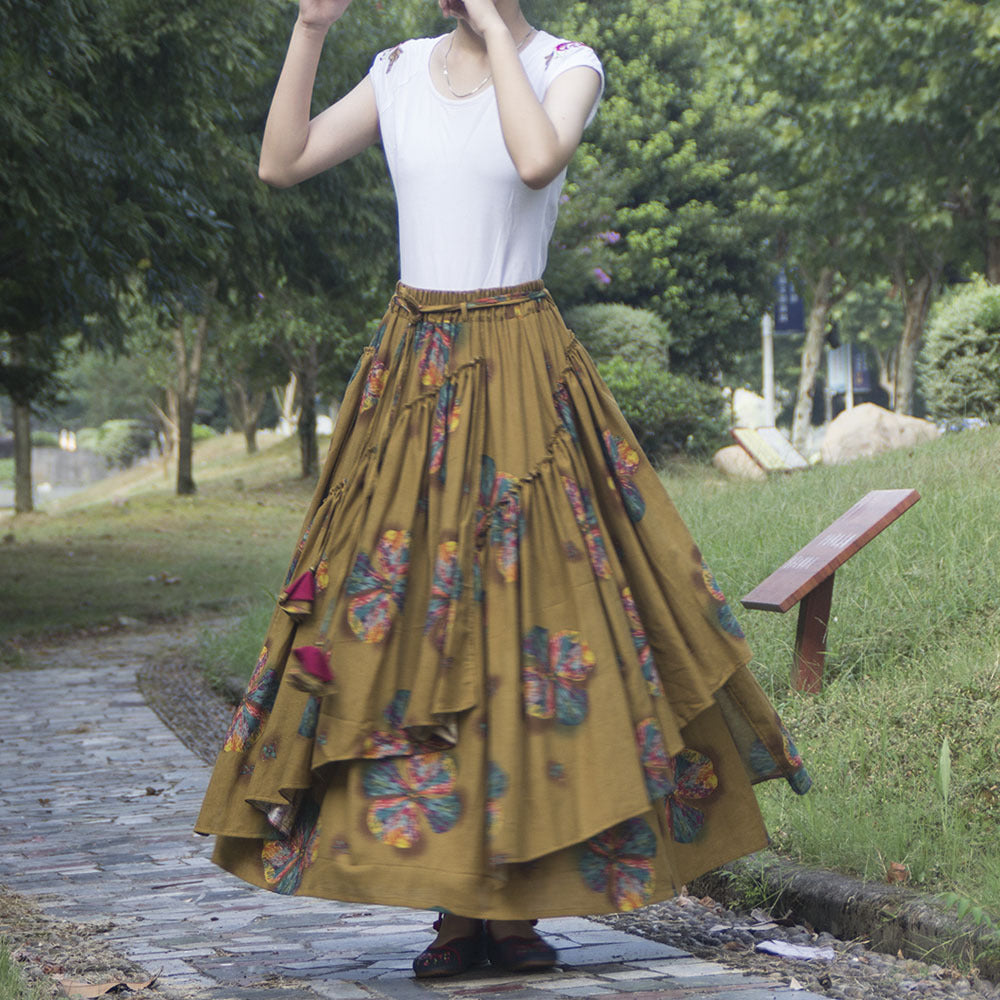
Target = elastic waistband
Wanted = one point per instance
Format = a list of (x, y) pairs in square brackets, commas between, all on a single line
[(421, 301)]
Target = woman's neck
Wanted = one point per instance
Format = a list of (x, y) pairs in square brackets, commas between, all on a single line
[(510, 11)]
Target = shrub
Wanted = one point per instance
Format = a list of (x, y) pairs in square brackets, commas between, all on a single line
[(44, 439), (668, 413), (120, 442), (959, 366), (202, 432), (609, 330)]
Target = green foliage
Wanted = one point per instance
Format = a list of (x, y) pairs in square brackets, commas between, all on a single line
[(202, 432), (120, 442), (669, 413), (44, 439), (678, 145), (611, 330), (960, 364)]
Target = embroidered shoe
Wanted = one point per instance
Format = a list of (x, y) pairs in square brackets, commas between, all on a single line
[(452, 958), (519, 954)]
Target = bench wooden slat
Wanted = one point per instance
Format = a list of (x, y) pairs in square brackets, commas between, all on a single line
[(831, 548)]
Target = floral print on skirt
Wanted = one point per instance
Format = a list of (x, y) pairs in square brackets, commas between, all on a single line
[(500, 679)]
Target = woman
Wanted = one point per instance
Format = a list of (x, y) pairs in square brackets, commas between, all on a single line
[(500, 681)]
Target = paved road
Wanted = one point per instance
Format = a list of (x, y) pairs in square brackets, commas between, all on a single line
[(97, 799)]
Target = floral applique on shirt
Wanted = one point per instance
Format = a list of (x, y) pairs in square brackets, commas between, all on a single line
[(561, 49), (392, 57)]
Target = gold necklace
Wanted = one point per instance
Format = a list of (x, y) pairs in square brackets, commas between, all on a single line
[(486, 79)]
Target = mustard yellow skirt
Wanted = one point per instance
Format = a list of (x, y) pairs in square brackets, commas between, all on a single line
[(500, 679)]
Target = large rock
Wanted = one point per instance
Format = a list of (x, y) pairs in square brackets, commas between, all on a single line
[(734, 461), (870, 430)]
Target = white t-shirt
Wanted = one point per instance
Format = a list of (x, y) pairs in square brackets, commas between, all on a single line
[(466, 220)]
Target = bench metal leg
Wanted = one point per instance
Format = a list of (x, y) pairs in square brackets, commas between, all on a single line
[(810, 638)]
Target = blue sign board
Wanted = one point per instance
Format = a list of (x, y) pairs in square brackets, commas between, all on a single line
[(789, 309)]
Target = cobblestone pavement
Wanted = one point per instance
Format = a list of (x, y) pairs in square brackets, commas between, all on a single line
[(97, 799)]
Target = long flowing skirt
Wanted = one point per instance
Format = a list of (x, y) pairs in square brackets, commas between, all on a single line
[(500, 679)]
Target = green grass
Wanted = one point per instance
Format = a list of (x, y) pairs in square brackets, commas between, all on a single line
[(914, 644), (127, 546), (914, 657), (13, 985)]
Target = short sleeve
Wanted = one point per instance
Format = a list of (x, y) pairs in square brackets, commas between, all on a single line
[(564, 55), (380, 75)]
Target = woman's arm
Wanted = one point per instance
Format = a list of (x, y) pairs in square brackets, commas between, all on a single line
[(294, 147), (541, 136)]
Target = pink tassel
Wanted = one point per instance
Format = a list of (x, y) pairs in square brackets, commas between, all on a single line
[(297, 600), (312, 674)]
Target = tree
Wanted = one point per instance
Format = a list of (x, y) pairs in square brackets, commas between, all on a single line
[(62, 244), (679, 148)]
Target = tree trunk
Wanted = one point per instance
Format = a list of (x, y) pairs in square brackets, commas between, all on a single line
[(887, 372), (993, 258), (917, 301), (287, 402), (245, 407), (812, 354), (185, 449), (189, 358), (23, 499), (308, 447)]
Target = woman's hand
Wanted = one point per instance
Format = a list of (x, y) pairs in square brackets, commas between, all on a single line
[(478, 14), (320, 14)]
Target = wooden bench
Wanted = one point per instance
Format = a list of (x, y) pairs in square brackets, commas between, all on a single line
[(808, 577)]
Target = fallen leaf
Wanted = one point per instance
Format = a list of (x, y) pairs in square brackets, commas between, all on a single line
[(154, 791), (44, 802), (794, 984), (51, 969), (898, 872), (73, 988)]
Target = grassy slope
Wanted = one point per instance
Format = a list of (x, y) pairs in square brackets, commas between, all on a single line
[(914, 644), (89, 560)]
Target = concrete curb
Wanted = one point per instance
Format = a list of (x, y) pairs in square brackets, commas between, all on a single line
[(893, 919)]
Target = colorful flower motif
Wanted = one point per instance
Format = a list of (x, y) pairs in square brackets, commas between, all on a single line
[(553, 672), (447, 413), (392, 741), (269, 751), (310, 718), (764, 764), (623, 461), (255, 707), (408, 789), (500, 515), (620, 863), (445, 593), (691, 777), (432, 343), (557, 772), (583, 509), (642, 648), (656, 765), (565, 410), (377, 587), (497, 784), (724, 613), (286, 858), (322, 575), (374, 385)]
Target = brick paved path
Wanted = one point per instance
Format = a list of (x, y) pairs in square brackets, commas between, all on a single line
[(97, 799)]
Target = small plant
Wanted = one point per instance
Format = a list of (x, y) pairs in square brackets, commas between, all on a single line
[(944, 779), (12, 982)]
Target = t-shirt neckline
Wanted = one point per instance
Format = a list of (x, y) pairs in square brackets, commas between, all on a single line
[(459, 101)]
